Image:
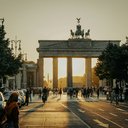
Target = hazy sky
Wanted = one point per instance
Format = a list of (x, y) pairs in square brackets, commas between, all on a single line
[(33, 20)]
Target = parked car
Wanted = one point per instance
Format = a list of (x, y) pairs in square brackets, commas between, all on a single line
[(7, 94), (22, 96), (3, 119), (2, 102)]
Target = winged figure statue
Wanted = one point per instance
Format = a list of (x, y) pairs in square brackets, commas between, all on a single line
[(78, 20)]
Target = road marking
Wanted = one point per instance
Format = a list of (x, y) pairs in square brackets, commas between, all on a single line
[(81, 110), (106, 118), (113, 114), (101, 123), (101, 109), (49, 109), (25, 110), (126, 113), (76, 116), (124, 105), (120, 109), (109, 120)]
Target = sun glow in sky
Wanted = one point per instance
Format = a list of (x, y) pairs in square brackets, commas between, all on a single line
[(78, 67)]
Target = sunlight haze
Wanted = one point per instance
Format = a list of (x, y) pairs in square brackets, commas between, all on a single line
[(33, 20)]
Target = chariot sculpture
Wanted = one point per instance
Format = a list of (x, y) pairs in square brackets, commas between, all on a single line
[(79, 33)]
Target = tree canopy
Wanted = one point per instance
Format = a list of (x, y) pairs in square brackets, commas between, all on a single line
[(113, 63), (9, 63)]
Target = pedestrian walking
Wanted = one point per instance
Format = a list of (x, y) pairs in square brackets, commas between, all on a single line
[(77, 91), (117, 91), (85, 93), (30, 94), (70, 92), (60, 92), (121, 93), (27, 97), (126, 95), (12, 111), (97, 91), (44, 94), (88, 92), (112, 95)]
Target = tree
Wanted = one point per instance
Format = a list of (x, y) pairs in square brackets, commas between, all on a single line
[(113, 63), (124, 61), (9, 63)]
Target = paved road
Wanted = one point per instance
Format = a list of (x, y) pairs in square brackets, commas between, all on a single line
[(73, 113)]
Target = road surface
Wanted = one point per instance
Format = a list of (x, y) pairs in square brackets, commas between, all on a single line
[(73, 113)]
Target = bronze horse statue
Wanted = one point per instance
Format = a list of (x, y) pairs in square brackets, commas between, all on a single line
[(87, 34), (72, 33), (79, 32)]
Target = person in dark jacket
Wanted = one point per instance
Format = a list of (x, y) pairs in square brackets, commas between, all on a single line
[(12, 111), (98, 92), (44, 94), (117, 91), (27, 97), (60, 92)]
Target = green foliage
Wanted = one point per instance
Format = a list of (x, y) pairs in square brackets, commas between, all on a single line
[(113, 63), (9, 64)]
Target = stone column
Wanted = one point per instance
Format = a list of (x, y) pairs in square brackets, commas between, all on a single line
[(69, 72), (88, 72), (35, 77), (40, 72), (55, 72), (18, 80)]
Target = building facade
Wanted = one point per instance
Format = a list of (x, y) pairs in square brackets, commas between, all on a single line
[(26, 78)]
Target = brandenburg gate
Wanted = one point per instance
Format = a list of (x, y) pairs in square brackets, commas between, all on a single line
[(80, 45)]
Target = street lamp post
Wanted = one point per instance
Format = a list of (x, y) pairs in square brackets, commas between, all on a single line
[(2, 22), (127, 63), (16, 49), (14, 46)]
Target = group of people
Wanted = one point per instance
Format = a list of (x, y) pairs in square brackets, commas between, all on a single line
[(45, 92), (116, 94), (72, 92), (87, 92), (12, 109), (57, 91), (84, 92)]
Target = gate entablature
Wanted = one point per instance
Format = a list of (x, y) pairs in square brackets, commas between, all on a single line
[(73, 47)]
